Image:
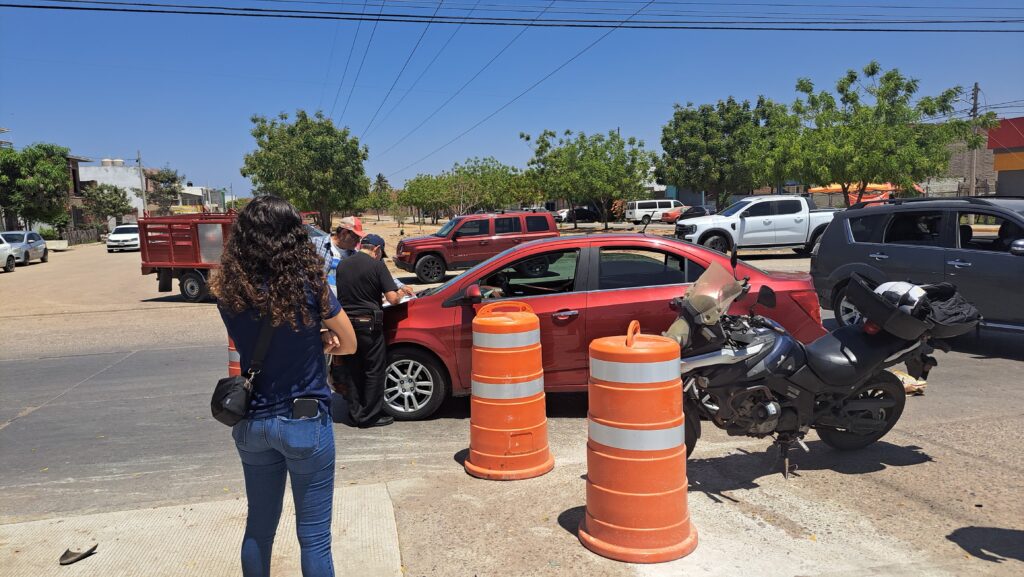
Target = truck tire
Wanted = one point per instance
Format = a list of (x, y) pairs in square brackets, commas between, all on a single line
[(717, 242), (430, 269), (9, 265), (534, 268), (809, 247), (193, 287)]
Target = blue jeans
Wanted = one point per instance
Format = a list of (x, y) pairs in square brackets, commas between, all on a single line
[(272, 449)]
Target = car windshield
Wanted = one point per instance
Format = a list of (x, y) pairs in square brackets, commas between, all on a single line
[(126, 230), (448, 227), (14, 237), (471, 271), (735, 208)]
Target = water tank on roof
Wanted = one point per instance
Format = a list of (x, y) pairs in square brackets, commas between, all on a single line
[(106, 162), (118, 162)]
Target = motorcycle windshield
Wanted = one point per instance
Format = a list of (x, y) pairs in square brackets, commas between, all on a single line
[(713, 293)]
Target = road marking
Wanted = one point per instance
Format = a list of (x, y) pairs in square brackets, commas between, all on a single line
[(29, 410)]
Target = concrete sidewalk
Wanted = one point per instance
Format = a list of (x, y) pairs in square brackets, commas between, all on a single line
[(201, 539)]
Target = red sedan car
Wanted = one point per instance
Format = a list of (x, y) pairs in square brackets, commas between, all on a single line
[(582, 288)]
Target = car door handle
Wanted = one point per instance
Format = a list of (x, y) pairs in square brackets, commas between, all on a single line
[(799, 219), (878, 256), (958, 263), (483, 242), (767, 221), (565, 315)]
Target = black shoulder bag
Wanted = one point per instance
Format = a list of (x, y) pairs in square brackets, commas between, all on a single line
[(231, 396)]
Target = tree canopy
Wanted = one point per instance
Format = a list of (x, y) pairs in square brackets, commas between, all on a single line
[(103, 201), (164, 189), (309, 161), (34, 183), (597, 168), (873, 130), (477, 183), (380, 196)]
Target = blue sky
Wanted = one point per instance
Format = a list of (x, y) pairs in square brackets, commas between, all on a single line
[(182, 89)]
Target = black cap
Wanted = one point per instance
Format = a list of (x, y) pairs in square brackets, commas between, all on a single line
[(375, 240)]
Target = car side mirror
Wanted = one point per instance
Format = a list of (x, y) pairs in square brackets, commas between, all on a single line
[(766, 296), (1017, 247), (473, 294)]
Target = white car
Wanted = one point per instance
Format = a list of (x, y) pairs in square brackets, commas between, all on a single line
[(644, 211), (7, 258), (762, 222), (124, 237)]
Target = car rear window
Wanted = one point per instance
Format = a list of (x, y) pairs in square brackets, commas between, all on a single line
[(917, 228), (868, 228), (537, 224), (631, 268), (507, 225)]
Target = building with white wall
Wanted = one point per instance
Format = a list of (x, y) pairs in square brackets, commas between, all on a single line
[(114, 172)]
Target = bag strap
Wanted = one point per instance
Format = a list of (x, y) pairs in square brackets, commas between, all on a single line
[(262, 344)]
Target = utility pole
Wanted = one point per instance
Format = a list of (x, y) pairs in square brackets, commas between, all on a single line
[(974, 152), (142, 182)]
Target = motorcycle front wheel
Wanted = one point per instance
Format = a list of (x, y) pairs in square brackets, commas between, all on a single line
[(882, 386)]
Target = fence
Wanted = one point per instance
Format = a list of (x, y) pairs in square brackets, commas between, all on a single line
[(81, 235)]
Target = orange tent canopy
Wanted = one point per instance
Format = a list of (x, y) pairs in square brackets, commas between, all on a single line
[(835, 188)]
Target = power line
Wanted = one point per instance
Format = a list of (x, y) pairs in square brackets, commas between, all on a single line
[(348, 60), (832, 26), (461, 88), (330, 64), (397, 77), (521, 94), (716, 4), (359, 70), (435, 17), (422, 73)]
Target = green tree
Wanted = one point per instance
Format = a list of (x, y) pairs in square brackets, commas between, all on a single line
[(380, 197), (309, 161), (706, 148), (875, 128), (34, 183), (427, 193), (106, 200), (164, 189), (485, 183), (238, 203), (774, 153), (598, 168)]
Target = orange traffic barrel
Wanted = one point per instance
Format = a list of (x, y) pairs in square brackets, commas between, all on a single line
[(636, 459), (508, 426), (234, 360)]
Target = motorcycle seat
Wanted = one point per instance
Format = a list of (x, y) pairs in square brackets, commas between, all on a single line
[(848, 354)]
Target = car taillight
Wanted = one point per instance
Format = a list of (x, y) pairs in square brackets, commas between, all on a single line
[(808, 301)]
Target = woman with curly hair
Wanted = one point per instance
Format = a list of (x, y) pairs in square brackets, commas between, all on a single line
[(269, 269)]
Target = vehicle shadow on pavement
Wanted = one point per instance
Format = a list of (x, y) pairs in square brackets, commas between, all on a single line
[(716, 476), (989, 344), (990, 543)]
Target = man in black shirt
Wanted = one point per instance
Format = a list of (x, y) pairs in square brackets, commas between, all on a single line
[(363, 280)]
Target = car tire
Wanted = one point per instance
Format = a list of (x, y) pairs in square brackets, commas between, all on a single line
[(646, 219), (405, 394), (46, 255), (193, 287), (534, 268), (26, 259), (9, 265), (716, 242), (430, 269), (110, 250), (846, 314)]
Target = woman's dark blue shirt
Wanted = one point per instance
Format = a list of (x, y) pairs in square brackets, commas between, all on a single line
[(294, 364)]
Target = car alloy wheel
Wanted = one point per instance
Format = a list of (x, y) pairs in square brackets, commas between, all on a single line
[(9, 265), (717, 243), (846, 313), (408, 386)]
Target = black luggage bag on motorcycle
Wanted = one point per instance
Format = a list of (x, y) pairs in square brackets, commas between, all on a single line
[(943, 314)]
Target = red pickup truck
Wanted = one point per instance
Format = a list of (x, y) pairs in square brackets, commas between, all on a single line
[(468, 240)]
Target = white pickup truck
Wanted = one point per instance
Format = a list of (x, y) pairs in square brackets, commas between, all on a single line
[(760, 222)]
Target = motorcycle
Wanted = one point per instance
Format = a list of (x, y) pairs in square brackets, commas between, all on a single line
[(746, 374)]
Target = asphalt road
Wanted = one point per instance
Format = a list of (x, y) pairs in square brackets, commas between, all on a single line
[(104, 385)]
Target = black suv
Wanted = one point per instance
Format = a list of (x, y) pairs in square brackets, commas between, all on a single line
[(975, 243)]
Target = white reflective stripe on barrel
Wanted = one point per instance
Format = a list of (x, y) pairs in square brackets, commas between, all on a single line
[(657, 372), (234, 357), (508, 390), (636, 439), (506, 340)]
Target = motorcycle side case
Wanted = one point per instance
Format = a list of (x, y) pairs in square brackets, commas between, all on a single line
[(883, 313)]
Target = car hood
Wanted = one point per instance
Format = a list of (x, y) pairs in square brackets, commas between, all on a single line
[(709, 220), (418, 240)]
